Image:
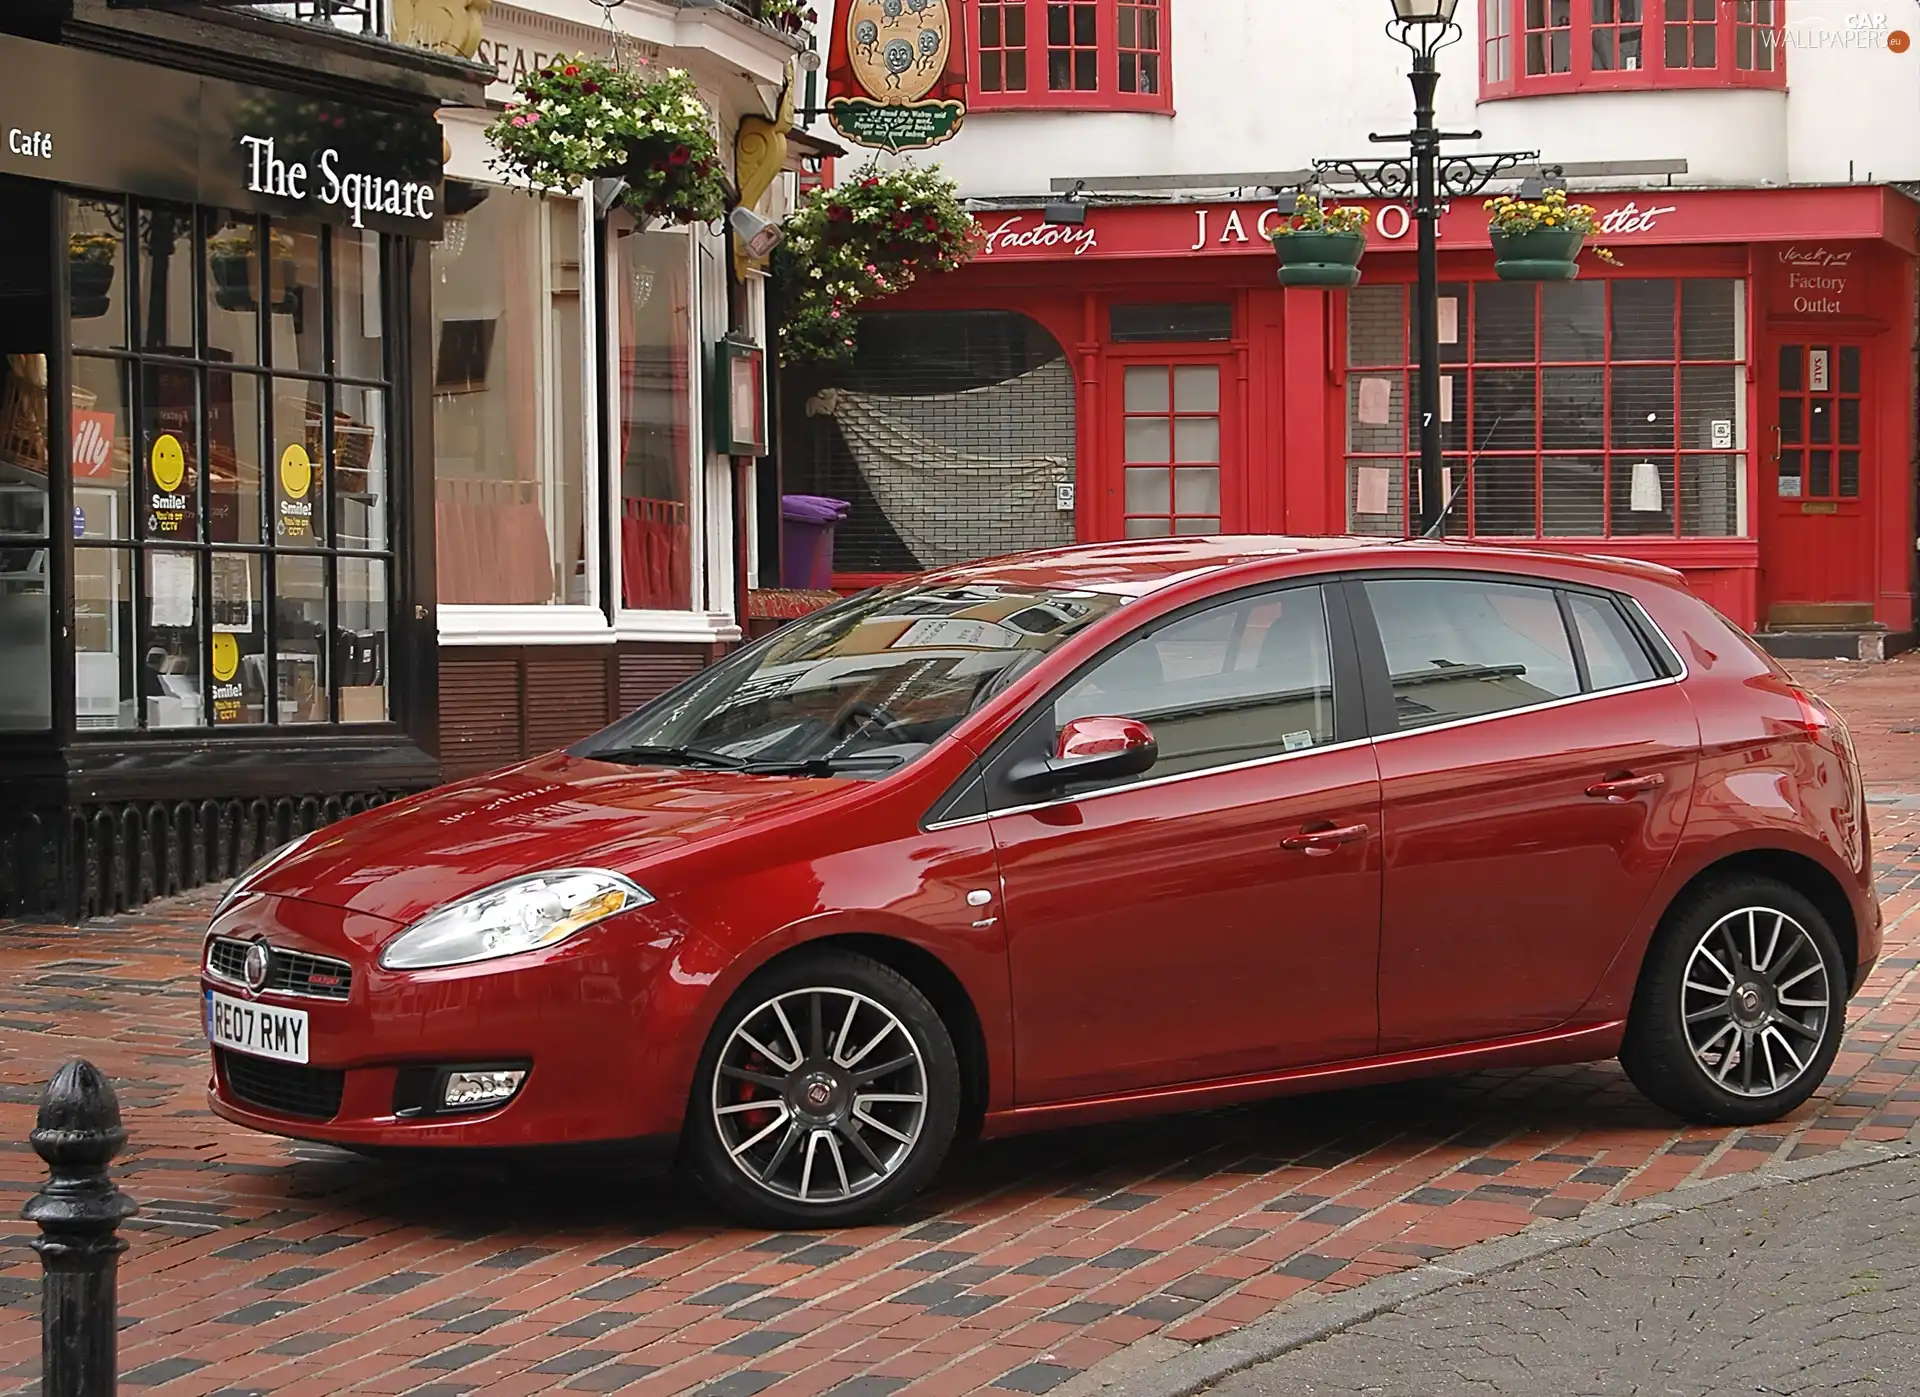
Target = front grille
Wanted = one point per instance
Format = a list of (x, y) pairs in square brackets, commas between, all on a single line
[(283, 1087), (290, 972)]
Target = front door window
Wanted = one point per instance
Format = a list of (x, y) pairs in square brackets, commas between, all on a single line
[(1172, 449), (1819, 403)]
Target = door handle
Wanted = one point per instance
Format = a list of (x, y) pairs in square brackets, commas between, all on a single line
[(1318, 843), (1624, 788)]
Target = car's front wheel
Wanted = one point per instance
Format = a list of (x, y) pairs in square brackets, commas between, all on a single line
[(1740, 1006), (828, 1093)]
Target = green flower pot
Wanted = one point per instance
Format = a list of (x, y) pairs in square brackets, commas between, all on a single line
[(232, 278), (1320, 259), (1542, 254)]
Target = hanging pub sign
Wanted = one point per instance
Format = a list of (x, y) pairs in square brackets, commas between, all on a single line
[(896, 73)]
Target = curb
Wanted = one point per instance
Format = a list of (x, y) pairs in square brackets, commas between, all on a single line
[(1206, 1364)]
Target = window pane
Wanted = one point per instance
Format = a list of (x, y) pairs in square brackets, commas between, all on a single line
[(102, 449), (1196, 490), (1196, 439), (26, 637), (1820, 421), (566, 502), (1198, 528), (360, 648), (1084, 23), (1149, 490), (1819, 473), (1792, 357), (170, 664), (360, 466), (1849, 421), (656, 428), (296, 327), (1573, 322), (103, 688), (1643, 319), (1573, 497), (1792, 420), (1149, 528), (1246, 680), (165, 309), (233, 456), (1792, 474), (1710, 403), (233, 287), (1461, 649), (1376, 412), (1146, 388), (1504, 496), (97, 272), (170, 455), (1850, 474), (1711, 504), (1710, 319), (300, 640), (1149, 73), (989, 26), (1849, 368), (1129, 27), (1149, 439), (1196, 388), (1503, 409), (1615, 656), (1017, 71), (1643, 407), (1375, 504), (990, 73), (1171, 323), (1573, 409), (358, 349), (1376, 325), (236, 658), (1017, 25), (1059, 25), (298, 453), (1503, 322), (1641, 495), (1086, 71)]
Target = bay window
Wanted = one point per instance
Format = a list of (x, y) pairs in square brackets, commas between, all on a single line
[(1088, 55), (1545, 46), (1612, 408)]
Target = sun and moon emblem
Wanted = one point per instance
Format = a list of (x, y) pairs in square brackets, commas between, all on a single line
[(899, 48)]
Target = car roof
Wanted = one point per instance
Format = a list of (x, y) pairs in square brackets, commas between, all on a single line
[(1140, 567)]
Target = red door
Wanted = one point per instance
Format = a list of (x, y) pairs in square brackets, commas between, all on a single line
[(1816, 491), (1186, 925), (1174, 464), (1533, 795)]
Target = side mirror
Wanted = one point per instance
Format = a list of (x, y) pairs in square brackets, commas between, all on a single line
[(1090, 749)]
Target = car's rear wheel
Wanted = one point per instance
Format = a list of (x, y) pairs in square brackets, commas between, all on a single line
[(1740, 1007), (828, 1093)]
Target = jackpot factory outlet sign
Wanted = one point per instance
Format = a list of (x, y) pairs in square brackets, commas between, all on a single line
[(94, 121)]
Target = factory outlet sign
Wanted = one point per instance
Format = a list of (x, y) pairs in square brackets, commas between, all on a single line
[(95, 121), (1671, 217)]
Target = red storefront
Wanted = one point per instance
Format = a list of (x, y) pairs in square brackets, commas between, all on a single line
[(1735, 399)]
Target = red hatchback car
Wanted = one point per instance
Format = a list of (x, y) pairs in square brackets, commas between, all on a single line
[(1077, 835)]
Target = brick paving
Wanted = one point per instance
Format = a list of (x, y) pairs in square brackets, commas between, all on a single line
[(260, 1266)]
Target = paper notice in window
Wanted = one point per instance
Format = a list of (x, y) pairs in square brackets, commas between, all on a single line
[(1373, 491), (1376, 402), (1448, 321), (173, 589), (1446, 485), (1446, 397), (1646, 488)]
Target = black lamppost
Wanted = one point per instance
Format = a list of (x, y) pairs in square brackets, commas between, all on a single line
[(1426, 27)]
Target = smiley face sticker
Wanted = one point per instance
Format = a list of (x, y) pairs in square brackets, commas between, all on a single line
[(168, 463), (226, 657), (296, 472)]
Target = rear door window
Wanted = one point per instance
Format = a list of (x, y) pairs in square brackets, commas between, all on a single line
[(1465, 647)]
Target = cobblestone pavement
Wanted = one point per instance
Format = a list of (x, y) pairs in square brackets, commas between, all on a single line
[(1798, 1289), (260, 1266)]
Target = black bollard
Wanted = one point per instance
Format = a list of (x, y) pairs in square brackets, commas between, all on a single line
[(79, 1212)]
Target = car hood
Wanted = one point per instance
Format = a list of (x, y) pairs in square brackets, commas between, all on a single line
[(402, 861)]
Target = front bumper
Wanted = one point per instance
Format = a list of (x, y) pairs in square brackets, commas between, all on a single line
[(574, 1017)]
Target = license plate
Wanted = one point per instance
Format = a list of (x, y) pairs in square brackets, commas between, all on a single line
[(260, 1029)]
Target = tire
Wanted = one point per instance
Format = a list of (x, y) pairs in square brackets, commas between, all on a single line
[(1759, 1049), (834, 1144)]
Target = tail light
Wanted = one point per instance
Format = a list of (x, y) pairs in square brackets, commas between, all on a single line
[(1821, 722)]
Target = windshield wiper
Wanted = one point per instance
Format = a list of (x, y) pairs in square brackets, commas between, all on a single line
[(644, 755), (822, 766)]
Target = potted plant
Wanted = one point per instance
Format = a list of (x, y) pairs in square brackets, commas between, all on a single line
[(1540, 239), (871, 236), (789, 16), (1320, 244), (232, 268), (584, 118), (91, 261)]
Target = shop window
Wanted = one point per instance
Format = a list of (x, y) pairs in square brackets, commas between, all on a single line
[(951, 436), (508, 417), (1088, 55), (1170, 323), (230, 401), (1530, 46), (652, 291), (1611, 408)]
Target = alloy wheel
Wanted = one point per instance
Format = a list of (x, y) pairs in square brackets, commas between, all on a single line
[(820, 1095), (1755, 1001)]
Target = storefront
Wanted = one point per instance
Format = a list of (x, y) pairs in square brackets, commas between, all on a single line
[(217, 590), (589, 545), (1734, 399)]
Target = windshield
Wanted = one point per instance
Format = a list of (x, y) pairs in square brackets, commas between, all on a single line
[(861, 688)]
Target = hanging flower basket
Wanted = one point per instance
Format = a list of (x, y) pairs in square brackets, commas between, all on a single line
[(789, 16), (1321, 245), (1540, 239), (233, 270), (584, 118), (91, 259), (870, 237)]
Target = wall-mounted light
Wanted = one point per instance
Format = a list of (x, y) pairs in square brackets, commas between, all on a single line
[(1070, 211)]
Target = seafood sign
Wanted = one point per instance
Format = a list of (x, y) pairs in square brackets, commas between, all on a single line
[(896, 73)]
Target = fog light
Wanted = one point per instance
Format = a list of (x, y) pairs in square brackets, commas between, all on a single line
[(466, 1090)]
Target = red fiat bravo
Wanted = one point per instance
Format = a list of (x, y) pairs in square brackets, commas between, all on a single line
[(1076, 835)]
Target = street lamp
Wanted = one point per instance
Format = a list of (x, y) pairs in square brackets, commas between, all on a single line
[(1425, 27)]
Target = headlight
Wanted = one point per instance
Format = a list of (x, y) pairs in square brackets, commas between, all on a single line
[(524, 914), (256, 868)]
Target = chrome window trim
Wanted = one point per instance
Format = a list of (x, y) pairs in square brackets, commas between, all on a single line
[(1569, 700), (213, 973)]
